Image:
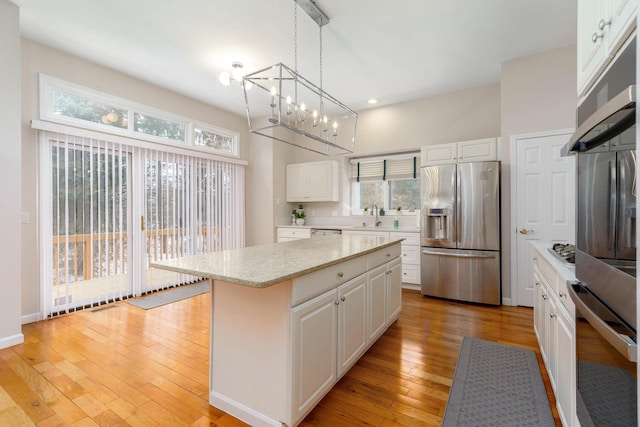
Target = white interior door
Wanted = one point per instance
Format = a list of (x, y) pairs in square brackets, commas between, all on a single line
[(543, 199)]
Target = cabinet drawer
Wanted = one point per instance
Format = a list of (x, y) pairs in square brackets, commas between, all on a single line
[(410, 254), (411, 273), (315, 283), (547, 272), (382, 256), (294, 233), (409, 238)]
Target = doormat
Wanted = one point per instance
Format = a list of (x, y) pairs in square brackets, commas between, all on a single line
[(499, 385), (172, 295)]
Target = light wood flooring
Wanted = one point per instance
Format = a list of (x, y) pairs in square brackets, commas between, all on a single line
[(122, 365)]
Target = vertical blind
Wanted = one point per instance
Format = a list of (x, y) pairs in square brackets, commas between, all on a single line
[(109, 209)]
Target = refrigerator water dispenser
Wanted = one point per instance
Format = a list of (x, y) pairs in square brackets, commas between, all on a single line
[(438, 223)]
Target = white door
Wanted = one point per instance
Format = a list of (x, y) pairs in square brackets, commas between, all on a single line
[(543, 198)]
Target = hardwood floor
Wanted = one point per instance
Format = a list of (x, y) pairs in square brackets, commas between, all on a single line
[(122, 365)]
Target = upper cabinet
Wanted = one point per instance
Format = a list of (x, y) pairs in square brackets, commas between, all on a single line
[(603, 26), (477, 150), (313, 182)]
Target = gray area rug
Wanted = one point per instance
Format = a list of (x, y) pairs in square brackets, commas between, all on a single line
[(498, 385), (172, 295)]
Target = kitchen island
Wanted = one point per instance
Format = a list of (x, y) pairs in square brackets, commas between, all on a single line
[(289, 319)]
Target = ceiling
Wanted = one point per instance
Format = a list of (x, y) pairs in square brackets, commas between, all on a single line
[(393, 51)]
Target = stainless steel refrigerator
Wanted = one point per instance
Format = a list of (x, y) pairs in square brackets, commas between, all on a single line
[(460, 231)]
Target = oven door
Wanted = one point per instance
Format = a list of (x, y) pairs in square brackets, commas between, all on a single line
[(606, 363)]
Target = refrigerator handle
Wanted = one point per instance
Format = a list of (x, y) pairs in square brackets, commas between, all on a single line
[(457, 219), (612, 205)]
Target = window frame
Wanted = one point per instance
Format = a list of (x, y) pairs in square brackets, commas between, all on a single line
[(355, 198), (49, 85)]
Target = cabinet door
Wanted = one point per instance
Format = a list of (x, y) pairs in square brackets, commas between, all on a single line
[(478, 150), (352, 322), (622, 14), (394, 289), (591, 56), (438, 154), (566, 368), (552, 339), (297, 177), (377, 302), (314, 350), (320, 182)]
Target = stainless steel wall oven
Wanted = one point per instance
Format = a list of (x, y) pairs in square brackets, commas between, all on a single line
[(605, 297)]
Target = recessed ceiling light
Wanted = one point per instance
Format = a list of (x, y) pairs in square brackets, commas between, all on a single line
[(372, 101)]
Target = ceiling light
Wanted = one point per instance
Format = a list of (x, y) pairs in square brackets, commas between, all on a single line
[(289, 108), (235, 75), (372, 101)]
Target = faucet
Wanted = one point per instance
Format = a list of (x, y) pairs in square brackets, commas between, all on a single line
[(378, 222)]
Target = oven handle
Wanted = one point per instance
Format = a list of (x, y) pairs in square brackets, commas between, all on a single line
[(620, 342)]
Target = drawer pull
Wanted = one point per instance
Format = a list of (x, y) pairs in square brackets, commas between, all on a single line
[(342, 299), (341, 274), (562, 294), (553, 315), (337, 302), (388, 255)]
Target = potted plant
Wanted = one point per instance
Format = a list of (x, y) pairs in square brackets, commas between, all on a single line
[(398, 209), (381, 211), (300, 217)]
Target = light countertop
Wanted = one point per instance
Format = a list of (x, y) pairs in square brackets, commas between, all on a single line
[(353, 228), (265, 265), (566, 270)]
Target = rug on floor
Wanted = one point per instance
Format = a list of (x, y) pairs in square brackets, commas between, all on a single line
[(172, 295), (499, 385)]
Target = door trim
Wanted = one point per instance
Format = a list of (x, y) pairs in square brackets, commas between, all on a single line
[(513, 244)]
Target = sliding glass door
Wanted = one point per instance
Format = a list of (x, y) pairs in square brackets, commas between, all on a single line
[(115, 208)]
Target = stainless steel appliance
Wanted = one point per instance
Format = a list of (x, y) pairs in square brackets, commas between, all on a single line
[(605, 259), (319, 232), (460, 231)]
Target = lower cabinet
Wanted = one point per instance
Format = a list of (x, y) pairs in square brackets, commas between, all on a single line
[(333, 330), (555, 329)]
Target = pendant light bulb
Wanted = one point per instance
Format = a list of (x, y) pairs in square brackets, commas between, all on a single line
[(225, 78)]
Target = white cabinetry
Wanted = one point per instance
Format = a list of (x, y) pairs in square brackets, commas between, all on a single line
[(554, 326), (410, 256), (314, 351), (313, 182), (410, 251), (333, 330), (285, 234), (459, 152), (603, 26)]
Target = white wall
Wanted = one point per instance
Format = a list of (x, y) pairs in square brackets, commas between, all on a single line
[(538, 94), (10, 172)]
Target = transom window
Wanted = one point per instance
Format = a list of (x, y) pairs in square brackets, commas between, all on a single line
[(68, 103), (390, 183)]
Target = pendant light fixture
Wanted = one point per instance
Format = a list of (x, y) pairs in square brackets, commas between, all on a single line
[(290, 108)]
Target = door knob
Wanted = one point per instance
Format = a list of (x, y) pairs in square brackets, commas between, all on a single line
[(525, 231)]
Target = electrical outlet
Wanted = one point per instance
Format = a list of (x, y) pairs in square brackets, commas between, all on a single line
[(24, 217)]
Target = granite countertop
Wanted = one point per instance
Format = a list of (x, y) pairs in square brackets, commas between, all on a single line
[(265, 265), (353, 227), (566, 270)]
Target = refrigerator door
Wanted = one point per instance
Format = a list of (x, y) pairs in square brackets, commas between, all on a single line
[(437, 187), (478, 206), (626, 230), (462, 275), (596, 204)]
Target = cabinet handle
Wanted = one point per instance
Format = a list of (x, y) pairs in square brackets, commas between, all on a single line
[(342, 299), (595, 37), (544, 297), (562, 294), (535, 258), (340, 274), (603, 24), (388, 255), (537, 283), (337, 302), (553, 315)]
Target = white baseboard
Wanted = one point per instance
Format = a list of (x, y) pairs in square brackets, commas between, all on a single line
[(411, 286), (506, 301), (11, 341), (30, 318), (241, 411)]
